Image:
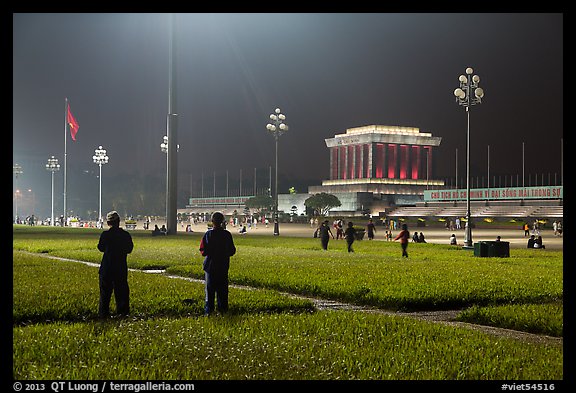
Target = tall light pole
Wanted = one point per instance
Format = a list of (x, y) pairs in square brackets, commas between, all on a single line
[(277, 128), (52, 166), (164, 148), (17, 170), (172, 133), (100, 158), (467, 95)]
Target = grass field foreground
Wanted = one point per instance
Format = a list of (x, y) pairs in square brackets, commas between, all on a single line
[(267, 336), (524, 291)]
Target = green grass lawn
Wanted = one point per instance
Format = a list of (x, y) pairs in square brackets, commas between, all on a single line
[(270, 336)]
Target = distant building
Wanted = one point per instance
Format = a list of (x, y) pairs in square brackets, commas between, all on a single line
[(376, 167)]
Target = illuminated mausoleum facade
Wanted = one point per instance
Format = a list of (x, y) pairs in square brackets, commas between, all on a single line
[(379, 166)]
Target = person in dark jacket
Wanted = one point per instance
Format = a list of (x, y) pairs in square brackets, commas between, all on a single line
[(421, 238), (350, 236), (217, 246), (325, 233), (116, 244), (370, 228), (531, 241)]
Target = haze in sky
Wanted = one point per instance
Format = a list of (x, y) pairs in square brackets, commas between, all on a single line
[(326, 71)]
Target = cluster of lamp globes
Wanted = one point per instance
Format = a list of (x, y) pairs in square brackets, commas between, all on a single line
[(100, 156), (53, 164), (466, 83), (278, 118), (164, 145)]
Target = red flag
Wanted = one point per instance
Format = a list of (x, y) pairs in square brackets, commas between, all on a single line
[(72, 123)]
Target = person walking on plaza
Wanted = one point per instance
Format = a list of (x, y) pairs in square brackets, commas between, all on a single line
[(325, 233), (116, 244), (403, 236), (350, 235), (555, 227), (535, 228), (526, 229), (371, 228), (217, 246)]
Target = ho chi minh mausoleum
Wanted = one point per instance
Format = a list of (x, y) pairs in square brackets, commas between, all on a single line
[(375, 167)]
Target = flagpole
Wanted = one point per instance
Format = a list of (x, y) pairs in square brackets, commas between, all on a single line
[(65, 154)]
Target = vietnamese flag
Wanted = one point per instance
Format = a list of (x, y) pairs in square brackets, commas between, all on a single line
[(72, 123)]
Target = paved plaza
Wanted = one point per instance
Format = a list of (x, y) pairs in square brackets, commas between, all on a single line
[(432, 235)]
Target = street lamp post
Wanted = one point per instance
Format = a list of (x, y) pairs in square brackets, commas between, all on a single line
[(277, 127), (100, 158), (467, 95), (52, 166), (17, 170), (164, 148)]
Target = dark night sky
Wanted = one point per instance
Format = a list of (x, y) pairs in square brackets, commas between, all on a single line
[(327, 72)]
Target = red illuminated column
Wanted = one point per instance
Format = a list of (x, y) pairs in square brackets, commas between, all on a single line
[(392, 158), (404, 158), (415, 161), (359, 161), (343, 162), (379, 160), (351, 161), (333, 163)]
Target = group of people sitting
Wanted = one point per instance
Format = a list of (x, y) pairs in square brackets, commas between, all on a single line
[(418, 238), (159, 231), (535, 242)]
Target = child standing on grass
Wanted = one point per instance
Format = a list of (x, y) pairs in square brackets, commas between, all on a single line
[(349, 235), (404, 235)]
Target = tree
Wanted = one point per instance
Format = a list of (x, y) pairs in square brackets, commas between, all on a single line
[(260, 203), (322, 203)]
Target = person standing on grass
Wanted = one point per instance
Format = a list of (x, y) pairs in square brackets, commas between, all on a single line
[(403, 236), (350, 235), (371, 228), (116, 244), (325, 233), (217, 246)]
